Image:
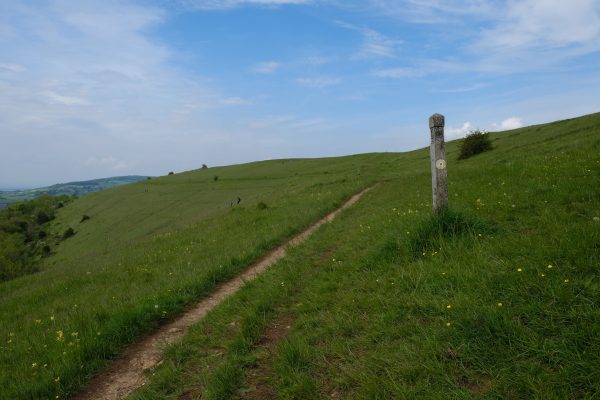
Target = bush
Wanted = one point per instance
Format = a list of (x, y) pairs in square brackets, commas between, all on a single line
[(204, 166), (43, 217), (262, 206), (68, 233), (476, 142), (84, 218), (171, 173), (216, 178)]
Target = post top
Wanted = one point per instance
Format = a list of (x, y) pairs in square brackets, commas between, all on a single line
[(436, 121)]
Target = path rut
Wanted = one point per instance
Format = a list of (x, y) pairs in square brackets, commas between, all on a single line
[(126, 374)]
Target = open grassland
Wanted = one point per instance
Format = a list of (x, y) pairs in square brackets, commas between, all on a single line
[(379, 305), (148, 250), (374, 305)]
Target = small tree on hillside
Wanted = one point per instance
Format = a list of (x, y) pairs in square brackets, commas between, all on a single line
[(204, 166), (474, 143)]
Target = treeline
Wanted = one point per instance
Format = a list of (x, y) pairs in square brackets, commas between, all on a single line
[(24, 235)]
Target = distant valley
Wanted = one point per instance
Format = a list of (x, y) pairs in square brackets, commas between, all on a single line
[(70, 188)]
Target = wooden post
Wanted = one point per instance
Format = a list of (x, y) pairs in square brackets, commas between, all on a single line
[(439, 173)]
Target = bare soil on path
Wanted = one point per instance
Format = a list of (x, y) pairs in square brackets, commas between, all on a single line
[(126, 374)]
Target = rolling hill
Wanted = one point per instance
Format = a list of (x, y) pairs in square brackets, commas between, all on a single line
[(70, 189), (496, 299)]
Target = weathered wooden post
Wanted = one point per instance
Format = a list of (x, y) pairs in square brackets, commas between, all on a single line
[(439, 173)]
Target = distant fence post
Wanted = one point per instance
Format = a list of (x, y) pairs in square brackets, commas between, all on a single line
[(439, 173)]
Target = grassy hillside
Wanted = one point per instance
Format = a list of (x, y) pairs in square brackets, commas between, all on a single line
[(147, 250), (383, 304), (69, 189), (378, 303)]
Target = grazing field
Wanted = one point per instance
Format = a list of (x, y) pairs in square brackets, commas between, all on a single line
[(498, 299)]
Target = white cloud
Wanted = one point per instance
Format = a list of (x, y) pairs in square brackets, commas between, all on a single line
[(508, 124), (544, 24), (267, 67), (463, 89), (227, 4), (319, 82), (62, 99), (460, 132), (317, 60), (11, 67), (234, 101), (401, 72), (434, 11), (374, 44)]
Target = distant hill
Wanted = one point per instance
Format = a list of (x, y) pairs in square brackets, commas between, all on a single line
[(71, 188)]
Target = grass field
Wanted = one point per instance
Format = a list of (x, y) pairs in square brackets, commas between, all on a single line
[(147, 251), (375, 305), (508, 309)]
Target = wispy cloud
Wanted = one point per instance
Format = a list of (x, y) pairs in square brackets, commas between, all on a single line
[(267, 67), (56, 98), (234, 101), (227, 4), (319, 81), (15, 68), (434, 11), (374, 43), (463, 89), (530, 27), (400, 72)]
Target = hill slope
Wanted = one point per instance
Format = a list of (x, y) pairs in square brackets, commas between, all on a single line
[(366, 302), (71, 189)]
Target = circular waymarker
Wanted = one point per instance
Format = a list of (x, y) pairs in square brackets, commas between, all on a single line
[(440, 164)]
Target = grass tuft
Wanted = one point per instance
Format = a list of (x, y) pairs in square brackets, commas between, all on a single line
[(447, 225)]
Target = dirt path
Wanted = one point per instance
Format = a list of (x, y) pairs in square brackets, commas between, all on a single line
[(126, 374)]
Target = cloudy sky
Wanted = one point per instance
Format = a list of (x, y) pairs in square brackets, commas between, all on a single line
[(91, 89)]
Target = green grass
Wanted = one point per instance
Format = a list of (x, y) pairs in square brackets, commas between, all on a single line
[(148, 250), (480, 315), (369, 308)]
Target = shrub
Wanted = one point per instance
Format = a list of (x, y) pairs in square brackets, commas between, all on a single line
[(68, 233), (204, 166), (171, 173), (476, 142), (216, 178), (262, 206), (43, 217), (84, 218)]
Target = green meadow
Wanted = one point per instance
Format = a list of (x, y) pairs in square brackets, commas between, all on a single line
[(498, 298)]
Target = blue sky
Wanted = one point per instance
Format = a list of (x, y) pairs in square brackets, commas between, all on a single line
[(91, 89)]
